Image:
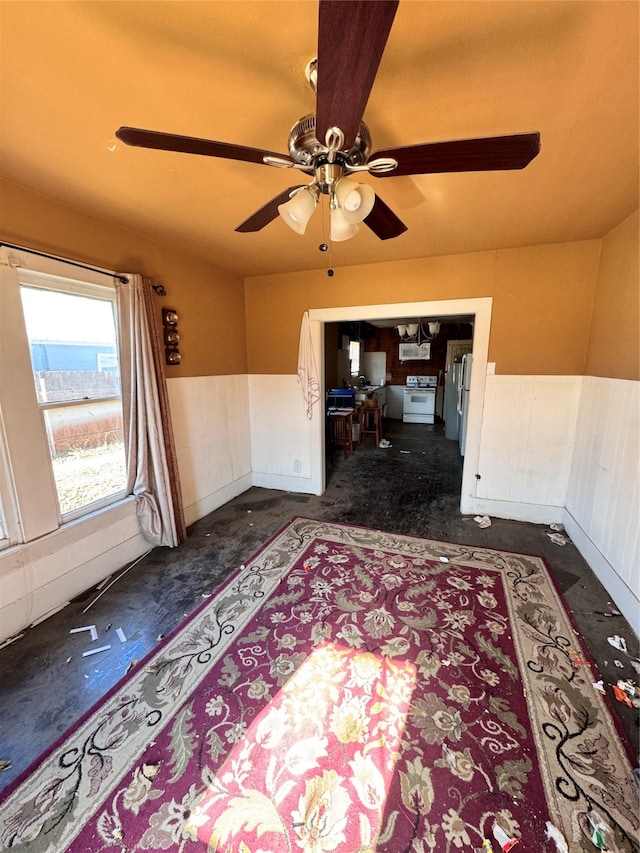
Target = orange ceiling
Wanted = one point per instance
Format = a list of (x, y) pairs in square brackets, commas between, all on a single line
[(73, 72)]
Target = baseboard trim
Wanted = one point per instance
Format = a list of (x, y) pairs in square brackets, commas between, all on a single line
[(299, 485), (195, 511), (624, 598), (534, 513)]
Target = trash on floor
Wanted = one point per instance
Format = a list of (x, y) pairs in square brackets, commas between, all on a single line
[(559, 528), (4, 765), (558, 538), (553, 833), (618, 643), (505, 841), (91, 628), (95, 651), (599, 830), (483, 520), (628, 687), (599, 686), (131, 665), (385, 443), (121, 635), (621, 696)]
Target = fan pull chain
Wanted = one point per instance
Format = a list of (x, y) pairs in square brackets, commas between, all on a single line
[(324, 246)]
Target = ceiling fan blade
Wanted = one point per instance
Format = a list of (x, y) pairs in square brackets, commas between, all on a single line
[(192, 145), (462, 155), (266, 214), (352, 35), (383, 221)]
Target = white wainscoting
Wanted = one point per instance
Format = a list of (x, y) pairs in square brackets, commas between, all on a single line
[(40, 577), (285, 449), (526, 446), (210, 416), (603, 500)]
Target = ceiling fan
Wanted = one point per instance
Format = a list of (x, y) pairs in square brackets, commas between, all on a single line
[(352, 35)]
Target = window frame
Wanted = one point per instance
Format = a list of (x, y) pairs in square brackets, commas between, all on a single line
[(28, 494)]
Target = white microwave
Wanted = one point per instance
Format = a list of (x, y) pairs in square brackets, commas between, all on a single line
[(414, 352)]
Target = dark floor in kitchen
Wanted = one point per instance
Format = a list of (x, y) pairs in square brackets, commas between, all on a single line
[(412, 487)]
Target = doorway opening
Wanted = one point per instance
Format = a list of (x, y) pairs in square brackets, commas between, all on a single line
[(477, 311)]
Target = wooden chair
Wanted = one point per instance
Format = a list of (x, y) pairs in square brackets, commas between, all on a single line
[(341, 429), (370, 423)]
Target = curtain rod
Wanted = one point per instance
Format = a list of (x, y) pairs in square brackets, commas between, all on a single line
[(121, 278)]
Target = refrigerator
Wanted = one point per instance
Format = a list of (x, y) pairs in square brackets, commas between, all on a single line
[(451, 391), (464, 387)]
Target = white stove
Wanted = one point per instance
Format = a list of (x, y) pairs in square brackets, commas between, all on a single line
[(419, 400)]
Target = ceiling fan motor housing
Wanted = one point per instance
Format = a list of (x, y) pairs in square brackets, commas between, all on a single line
[(305, 149)]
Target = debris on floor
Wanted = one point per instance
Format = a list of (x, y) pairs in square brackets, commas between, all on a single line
[(96, 651), (91, 628), (599, 686), (505, 841), (599, 830), (553, 833), (557, 527), (621, 696), (4, 765), (618, 643), (482, 520), (385, 443), (558, 538)]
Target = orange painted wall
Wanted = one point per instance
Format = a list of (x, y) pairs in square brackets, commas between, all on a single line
[(542, 302), (614, 342), (567, 308), (208, 299)]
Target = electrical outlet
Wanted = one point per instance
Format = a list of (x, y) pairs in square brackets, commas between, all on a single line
[(297, 467)]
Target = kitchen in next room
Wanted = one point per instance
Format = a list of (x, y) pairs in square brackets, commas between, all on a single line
[(412, 370)]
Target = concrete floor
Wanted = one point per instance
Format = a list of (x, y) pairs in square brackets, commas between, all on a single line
[(411, 488)]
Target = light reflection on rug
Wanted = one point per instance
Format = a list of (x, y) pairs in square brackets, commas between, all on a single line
[(350, 690)]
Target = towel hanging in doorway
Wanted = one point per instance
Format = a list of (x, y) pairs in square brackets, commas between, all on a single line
[(307, 371)]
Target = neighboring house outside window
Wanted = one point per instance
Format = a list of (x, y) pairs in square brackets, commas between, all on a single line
[(73, 347)]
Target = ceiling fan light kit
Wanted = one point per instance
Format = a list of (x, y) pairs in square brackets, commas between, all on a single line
[(299, 209), (352, 35)]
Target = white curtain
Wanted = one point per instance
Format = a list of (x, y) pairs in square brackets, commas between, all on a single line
[(152, 475)]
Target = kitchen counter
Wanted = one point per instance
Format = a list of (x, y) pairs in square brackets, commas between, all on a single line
[(367, 391)]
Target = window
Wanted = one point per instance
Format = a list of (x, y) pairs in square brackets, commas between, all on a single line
[(71, 331), (354, 357)]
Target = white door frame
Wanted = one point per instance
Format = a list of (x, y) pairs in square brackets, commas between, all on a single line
[(480, 307)]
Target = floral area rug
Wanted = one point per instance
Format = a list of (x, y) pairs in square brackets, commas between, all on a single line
[(347, 690)]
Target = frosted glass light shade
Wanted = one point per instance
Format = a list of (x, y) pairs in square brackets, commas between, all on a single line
[(298, 210), (356, 200), (412, 329), (341, 229)]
